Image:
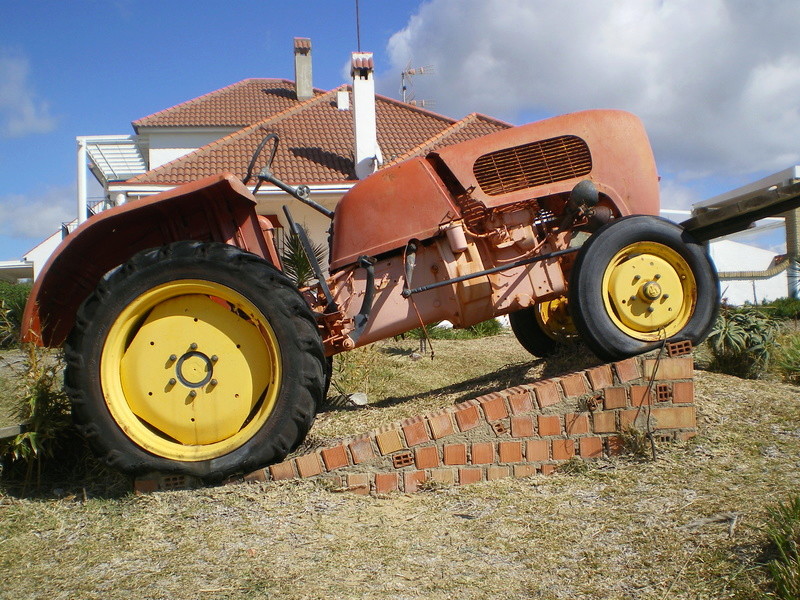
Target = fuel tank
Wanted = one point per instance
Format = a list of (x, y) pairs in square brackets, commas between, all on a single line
[(387, 209)]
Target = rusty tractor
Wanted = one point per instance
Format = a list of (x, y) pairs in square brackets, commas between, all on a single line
[(189, 351)]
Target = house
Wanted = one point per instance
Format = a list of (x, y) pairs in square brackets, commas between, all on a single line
[(328, 141)]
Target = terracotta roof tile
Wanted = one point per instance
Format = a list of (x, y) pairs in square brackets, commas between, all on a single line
[(237, 105), (316, 138)]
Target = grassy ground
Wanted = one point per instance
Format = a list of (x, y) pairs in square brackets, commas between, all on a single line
[(684, 527)]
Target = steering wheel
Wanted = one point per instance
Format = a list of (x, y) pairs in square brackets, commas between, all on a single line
[(273, 137)]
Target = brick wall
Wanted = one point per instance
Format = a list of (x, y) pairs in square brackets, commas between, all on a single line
[(517, 432)]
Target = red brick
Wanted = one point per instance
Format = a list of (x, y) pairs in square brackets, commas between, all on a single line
[(284, 470), (537, 450), (573, 385), (415, 432), (334, 457), (146, 485), (358, 483), (447, 476), (549, 425), (468, 475), (576, 423), (482, 453), (386, 482), (563, 449), (675, 417), (548, 469), (627, 370), (389, 441), (615, 397), (522, 426), (441, 425), (685, 435), (604, 421), (600, 377), (412, 480), (361, 450), (591, 447), (495, 472), (683, 391), (308, 465), (467, 418), (524, 470), (520, 403), (427, 457), (670, 368), (256, 476), (616, 445), (494, 408), (455, 454), (547, 394), (633, 417), (510, 452), (640, 395)]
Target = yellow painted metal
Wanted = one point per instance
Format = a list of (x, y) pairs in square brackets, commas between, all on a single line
[(554, 319), (190, 370), (649, 291)]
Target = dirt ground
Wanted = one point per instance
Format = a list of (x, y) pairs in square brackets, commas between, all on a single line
[(686, 526)]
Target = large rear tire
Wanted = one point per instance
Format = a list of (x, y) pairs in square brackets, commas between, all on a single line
[(195, 358), (639, 281)]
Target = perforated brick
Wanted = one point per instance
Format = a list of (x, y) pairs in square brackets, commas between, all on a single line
[(679, 348), (402, 459), (663, 392)]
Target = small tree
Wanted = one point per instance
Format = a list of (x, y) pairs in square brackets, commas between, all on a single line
[(296, 265)]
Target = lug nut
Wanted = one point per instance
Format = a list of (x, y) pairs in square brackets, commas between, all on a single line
[(656, 276), (214, 358), (193, 393), (213, 382), (650, 309), (666, 296), (193, 346), (173, 357), (637, 277), (172, 381)]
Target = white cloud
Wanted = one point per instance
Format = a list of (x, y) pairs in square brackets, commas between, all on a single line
[(21, 111), (716, 82), (37, 215)]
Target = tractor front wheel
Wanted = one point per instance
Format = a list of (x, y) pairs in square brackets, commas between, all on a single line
[(639, 281), (541, 328), (195, 358)]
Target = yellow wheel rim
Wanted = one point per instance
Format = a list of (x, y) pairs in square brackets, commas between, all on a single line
[(554, 319), (649, 291), (190, 370)]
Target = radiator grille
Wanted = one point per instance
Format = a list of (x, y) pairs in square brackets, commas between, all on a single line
[(533, 164)]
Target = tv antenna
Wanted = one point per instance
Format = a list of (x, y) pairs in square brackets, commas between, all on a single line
[(407, 84)]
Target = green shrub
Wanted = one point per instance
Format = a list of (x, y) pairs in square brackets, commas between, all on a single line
[(788, 360), (783, 308), (741, 342), (296, 264), (13, 297), (783, 531)]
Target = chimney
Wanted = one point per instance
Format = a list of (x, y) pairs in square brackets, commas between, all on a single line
[(367, 152), (302, 69)]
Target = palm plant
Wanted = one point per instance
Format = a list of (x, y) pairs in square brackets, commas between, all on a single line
[(296, 264)]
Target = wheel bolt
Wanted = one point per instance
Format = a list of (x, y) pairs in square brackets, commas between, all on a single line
[(193, 346), (656, 276), (650, 309), (172, 381), (213, 382), (214, 358), (173, 357), (666, 296), (193, 393), (637, 277)]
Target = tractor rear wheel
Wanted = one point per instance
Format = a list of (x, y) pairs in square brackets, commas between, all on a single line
[(195, 358), (640, 281), (541, 328)]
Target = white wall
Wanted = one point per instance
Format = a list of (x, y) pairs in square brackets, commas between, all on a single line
[(165, 146), (728, 255)]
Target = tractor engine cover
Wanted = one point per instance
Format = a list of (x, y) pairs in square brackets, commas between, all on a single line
[(387, 209)]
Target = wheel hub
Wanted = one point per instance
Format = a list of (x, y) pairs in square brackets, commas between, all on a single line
[(650, 290), (194, 369)]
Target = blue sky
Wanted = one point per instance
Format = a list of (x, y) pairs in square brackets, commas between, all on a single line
[(716, 82)]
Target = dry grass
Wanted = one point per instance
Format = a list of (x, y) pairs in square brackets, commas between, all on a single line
[(683, 527)]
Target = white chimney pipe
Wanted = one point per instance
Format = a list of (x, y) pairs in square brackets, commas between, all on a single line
[(303, 85), (367, 152)]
